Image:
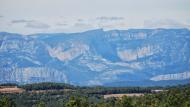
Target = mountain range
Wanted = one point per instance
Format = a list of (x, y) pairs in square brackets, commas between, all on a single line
[(134, 57)]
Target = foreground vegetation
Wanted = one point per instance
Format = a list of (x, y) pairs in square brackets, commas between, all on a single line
[(65, 95)]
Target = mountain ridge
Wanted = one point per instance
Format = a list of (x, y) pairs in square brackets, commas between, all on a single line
[(94, 57)]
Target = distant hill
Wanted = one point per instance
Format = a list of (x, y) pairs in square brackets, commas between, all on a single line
[(134, 57)]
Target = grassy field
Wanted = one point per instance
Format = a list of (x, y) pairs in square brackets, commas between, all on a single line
[(11, 89), (121, 95)]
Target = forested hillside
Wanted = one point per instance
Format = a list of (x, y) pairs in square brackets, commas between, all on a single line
[(65, 95)]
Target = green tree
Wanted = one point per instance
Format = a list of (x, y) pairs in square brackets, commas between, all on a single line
[(186, 104), (124, 102), (73, 102), (111, 101), (41, 104), (84, 102), (102, 105), (6, 102)]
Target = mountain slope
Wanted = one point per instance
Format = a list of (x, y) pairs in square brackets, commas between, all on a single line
[(97, 57)]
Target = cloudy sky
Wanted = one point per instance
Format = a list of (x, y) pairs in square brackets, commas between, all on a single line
[(34, 16)]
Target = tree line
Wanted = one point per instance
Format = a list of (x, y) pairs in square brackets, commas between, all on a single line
[(176, 96)]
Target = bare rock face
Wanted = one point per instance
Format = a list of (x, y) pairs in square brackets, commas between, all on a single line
[(97, 57)]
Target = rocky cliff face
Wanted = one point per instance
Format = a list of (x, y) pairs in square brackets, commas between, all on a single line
[(96, 57)]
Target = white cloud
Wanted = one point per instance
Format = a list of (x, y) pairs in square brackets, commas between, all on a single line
[(101, 12), (21, 21), (28, 25), (104, 18), (83, 25), (165, 23), (113, 22), (61, 24), (80, 20), (34, 24), (37, 25)]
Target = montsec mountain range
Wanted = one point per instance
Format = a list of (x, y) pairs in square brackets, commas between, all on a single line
[(133, 57)]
